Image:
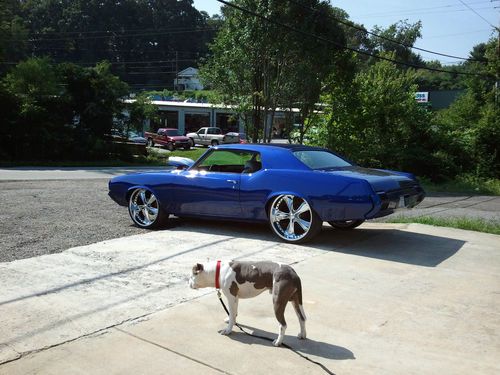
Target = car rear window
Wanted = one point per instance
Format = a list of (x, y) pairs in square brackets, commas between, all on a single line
[(173, 132), (317, 159)]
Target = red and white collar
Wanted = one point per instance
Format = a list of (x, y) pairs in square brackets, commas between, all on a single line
[(217, 275)]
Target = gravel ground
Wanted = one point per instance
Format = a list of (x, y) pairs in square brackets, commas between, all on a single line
[(49, 216), (46, 217)]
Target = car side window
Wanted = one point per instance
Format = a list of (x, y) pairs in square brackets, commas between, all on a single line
[(230, 161)]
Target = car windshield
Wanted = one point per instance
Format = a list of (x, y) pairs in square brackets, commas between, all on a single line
[(318, 159), (173, 132)]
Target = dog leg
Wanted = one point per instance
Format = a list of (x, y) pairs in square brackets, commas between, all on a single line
[(299, 310), (232, 306), (279, 312)]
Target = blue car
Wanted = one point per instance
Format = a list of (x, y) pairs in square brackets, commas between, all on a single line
[(294, 188)]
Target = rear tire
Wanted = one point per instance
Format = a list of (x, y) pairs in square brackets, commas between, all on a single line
[(150, 143), (170, 146), (346, 224), (215, 142)]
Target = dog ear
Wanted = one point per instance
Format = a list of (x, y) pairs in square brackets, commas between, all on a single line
[(198, 268)]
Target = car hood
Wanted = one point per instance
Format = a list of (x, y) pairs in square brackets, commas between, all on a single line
[(379, 179)]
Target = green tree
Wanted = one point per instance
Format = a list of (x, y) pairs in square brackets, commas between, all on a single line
[(472, 124), (36, 128), (376, 121), (95, 97), (262, 64), (13, 33)]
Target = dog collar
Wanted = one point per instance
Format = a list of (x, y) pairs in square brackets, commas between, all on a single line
[(217, 275)]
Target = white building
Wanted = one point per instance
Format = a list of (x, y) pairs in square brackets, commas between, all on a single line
[(187, 79)]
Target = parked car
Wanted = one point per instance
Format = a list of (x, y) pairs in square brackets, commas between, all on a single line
[(211, 136), (240, 137), (294, 188), (134, 137), (168, 137)]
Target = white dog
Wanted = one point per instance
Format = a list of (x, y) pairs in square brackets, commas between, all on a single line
[(249, 279)]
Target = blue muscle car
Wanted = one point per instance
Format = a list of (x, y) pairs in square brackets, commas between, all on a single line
[(294, 188)]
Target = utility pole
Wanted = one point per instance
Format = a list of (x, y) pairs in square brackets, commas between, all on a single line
[(176, 86), (497, 72)]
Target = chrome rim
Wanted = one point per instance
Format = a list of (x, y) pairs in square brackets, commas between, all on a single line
[(143, 207), (291, 217)]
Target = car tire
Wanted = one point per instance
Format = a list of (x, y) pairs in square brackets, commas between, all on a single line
[(191, 142), (150, 143), (215, 142), (187, 147), (170, 146), (346, 224), (145, 210), (292, 219)]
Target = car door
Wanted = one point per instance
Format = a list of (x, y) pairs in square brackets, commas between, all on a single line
[(212, 186)]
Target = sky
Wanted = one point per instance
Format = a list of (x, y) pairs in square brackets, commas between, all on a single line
[(448, 26)]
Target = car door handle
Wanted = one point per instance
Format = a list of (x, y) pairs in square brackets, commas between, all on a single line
[(232, 181)]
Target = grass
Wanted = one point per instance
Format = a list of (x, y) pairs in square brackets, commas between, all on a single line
[(465, 184), (474, 224)]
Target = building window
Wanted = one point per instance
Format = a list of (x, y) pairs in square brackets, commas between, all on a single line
[(194, 121), (227, 122)]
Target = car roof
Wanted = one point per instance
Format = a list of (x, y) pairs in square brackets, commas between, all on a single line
[(267, 146)]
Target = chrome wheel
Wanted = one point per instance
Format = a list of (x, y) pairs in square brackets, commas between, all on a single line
[(144, 208), (292, 219)]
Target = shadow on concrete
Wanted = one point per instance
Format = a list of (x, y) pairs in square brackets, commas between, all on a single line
[(387, 244), (307, 347)]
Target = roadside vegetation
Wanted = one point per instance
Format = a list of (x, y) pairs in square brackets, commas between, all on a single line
[(465, 184), (466, 223)]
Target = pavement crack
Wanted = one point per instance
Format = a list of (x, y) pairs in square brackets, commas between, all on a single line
[(174, 351)]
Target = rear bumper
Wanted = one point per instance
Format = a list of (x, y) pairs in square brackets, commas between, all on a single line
[(396, 200)]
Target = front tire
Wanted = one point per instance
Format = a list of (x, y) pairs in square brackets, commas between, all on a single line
[(144, 209), (191, 142), (150, 143), (292, 219), (346, 224)]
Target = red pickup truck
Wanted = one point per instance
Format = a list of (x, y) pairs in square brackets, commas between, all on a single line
[(169, 138)]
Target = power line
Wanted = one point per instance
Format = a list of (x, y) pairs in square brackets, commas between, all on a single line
[(484, 19), (432, 8), (328, 41), (118, 36), (351, 25), (416, 12)]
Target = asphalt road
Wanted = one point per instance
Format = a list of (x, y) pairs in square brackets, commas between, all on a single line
[(49, 216)]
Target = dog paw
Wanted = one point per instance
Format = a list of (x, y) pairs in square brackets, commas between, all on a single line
[(301, 336), (277, 342), (225, 331)]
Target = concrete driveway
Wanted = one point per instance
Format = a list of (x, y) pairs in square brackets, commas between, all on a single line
[(382, 299)]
